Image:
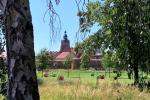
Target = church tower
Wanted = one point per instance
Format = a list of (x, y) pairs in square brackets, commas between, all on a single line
[(65, 44)]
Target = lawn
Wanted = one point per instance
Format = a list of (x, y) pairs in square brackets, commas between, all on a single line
[(85, 75), (80, 85)]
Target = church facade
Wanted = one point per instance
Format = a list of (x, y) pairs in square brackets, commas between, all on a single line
[(66, 51)]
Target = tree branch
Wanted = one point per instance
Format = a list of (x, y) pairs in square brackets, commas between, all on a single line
[(54, 19), (2, 6)]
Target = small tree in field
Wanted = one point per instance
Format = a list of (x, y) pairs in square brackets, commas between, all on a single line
[(110, 60), (43, 60), (67, 62), (85, 61)]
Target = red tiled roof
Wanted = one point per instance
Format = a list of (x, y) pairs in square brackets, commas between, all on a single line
[(63, 55)]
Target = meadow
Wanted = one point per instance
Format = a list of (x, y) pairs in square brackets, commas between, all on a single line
[(83, 85)]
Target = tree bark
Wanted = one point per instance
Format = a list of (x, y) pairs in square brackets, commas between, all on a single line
[(22, 80), (136, 74)]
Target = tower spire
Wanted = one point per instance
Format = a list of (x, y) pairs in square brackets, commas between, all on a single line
[(65, 36), (65, 44)]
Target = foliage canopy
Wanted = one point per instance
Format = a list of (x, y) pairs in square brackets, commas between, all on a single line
[(125, 25)]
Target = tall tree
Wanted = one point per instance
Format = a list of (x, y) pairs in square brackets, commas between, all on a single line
[(22, 81), (125, 25)]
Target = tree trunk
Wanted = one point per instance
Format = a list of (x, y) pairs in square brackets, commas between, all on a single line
[(136, 74), (109, 72), (22, 80), (42, 72), (68, 71)]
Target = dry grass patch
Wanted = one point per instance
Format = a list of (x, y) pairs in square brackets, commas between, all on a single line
[(81, 90)]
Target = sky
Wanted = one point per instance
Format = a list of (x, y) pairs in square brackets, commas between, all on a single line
[(67, 11)]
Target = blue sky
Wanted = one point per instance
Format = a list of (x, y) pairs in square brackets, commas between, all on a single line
[(67, 11)]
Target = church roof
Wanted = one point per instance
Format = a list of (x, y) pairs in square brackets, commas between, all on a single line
[(63, 55)]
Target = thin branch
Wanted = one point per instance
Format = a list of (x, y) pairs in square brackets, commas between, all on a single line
[(81, 4), (54, 19)]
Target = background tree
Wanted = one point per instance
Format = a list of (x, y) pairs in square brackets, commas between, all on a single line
[(87, 48), (43, 60), (111, 61), (107, 62), (85, 61), (67, 62), (125, 26), (78, 47)]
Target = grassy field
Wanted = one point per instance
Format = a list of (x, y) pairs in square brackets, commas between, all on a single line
[(85, 74), (80, 85), (87, 88)]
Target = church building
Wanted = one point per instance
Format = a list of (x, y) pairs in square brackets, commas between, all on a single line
[(66, 51)]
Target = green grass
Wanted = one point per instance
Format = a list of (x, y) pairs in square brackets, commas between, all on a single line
[(85, 75), (87, 88), (1, 97)]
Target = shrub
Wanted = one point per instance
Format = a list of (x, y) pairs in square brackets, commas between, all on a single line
[(53, 75), (92, 74), (60, 78), (100, 77), (45, 74)]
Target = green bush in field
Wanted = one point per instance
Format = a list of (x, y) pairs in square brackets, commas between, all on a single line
[(53, 75)]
